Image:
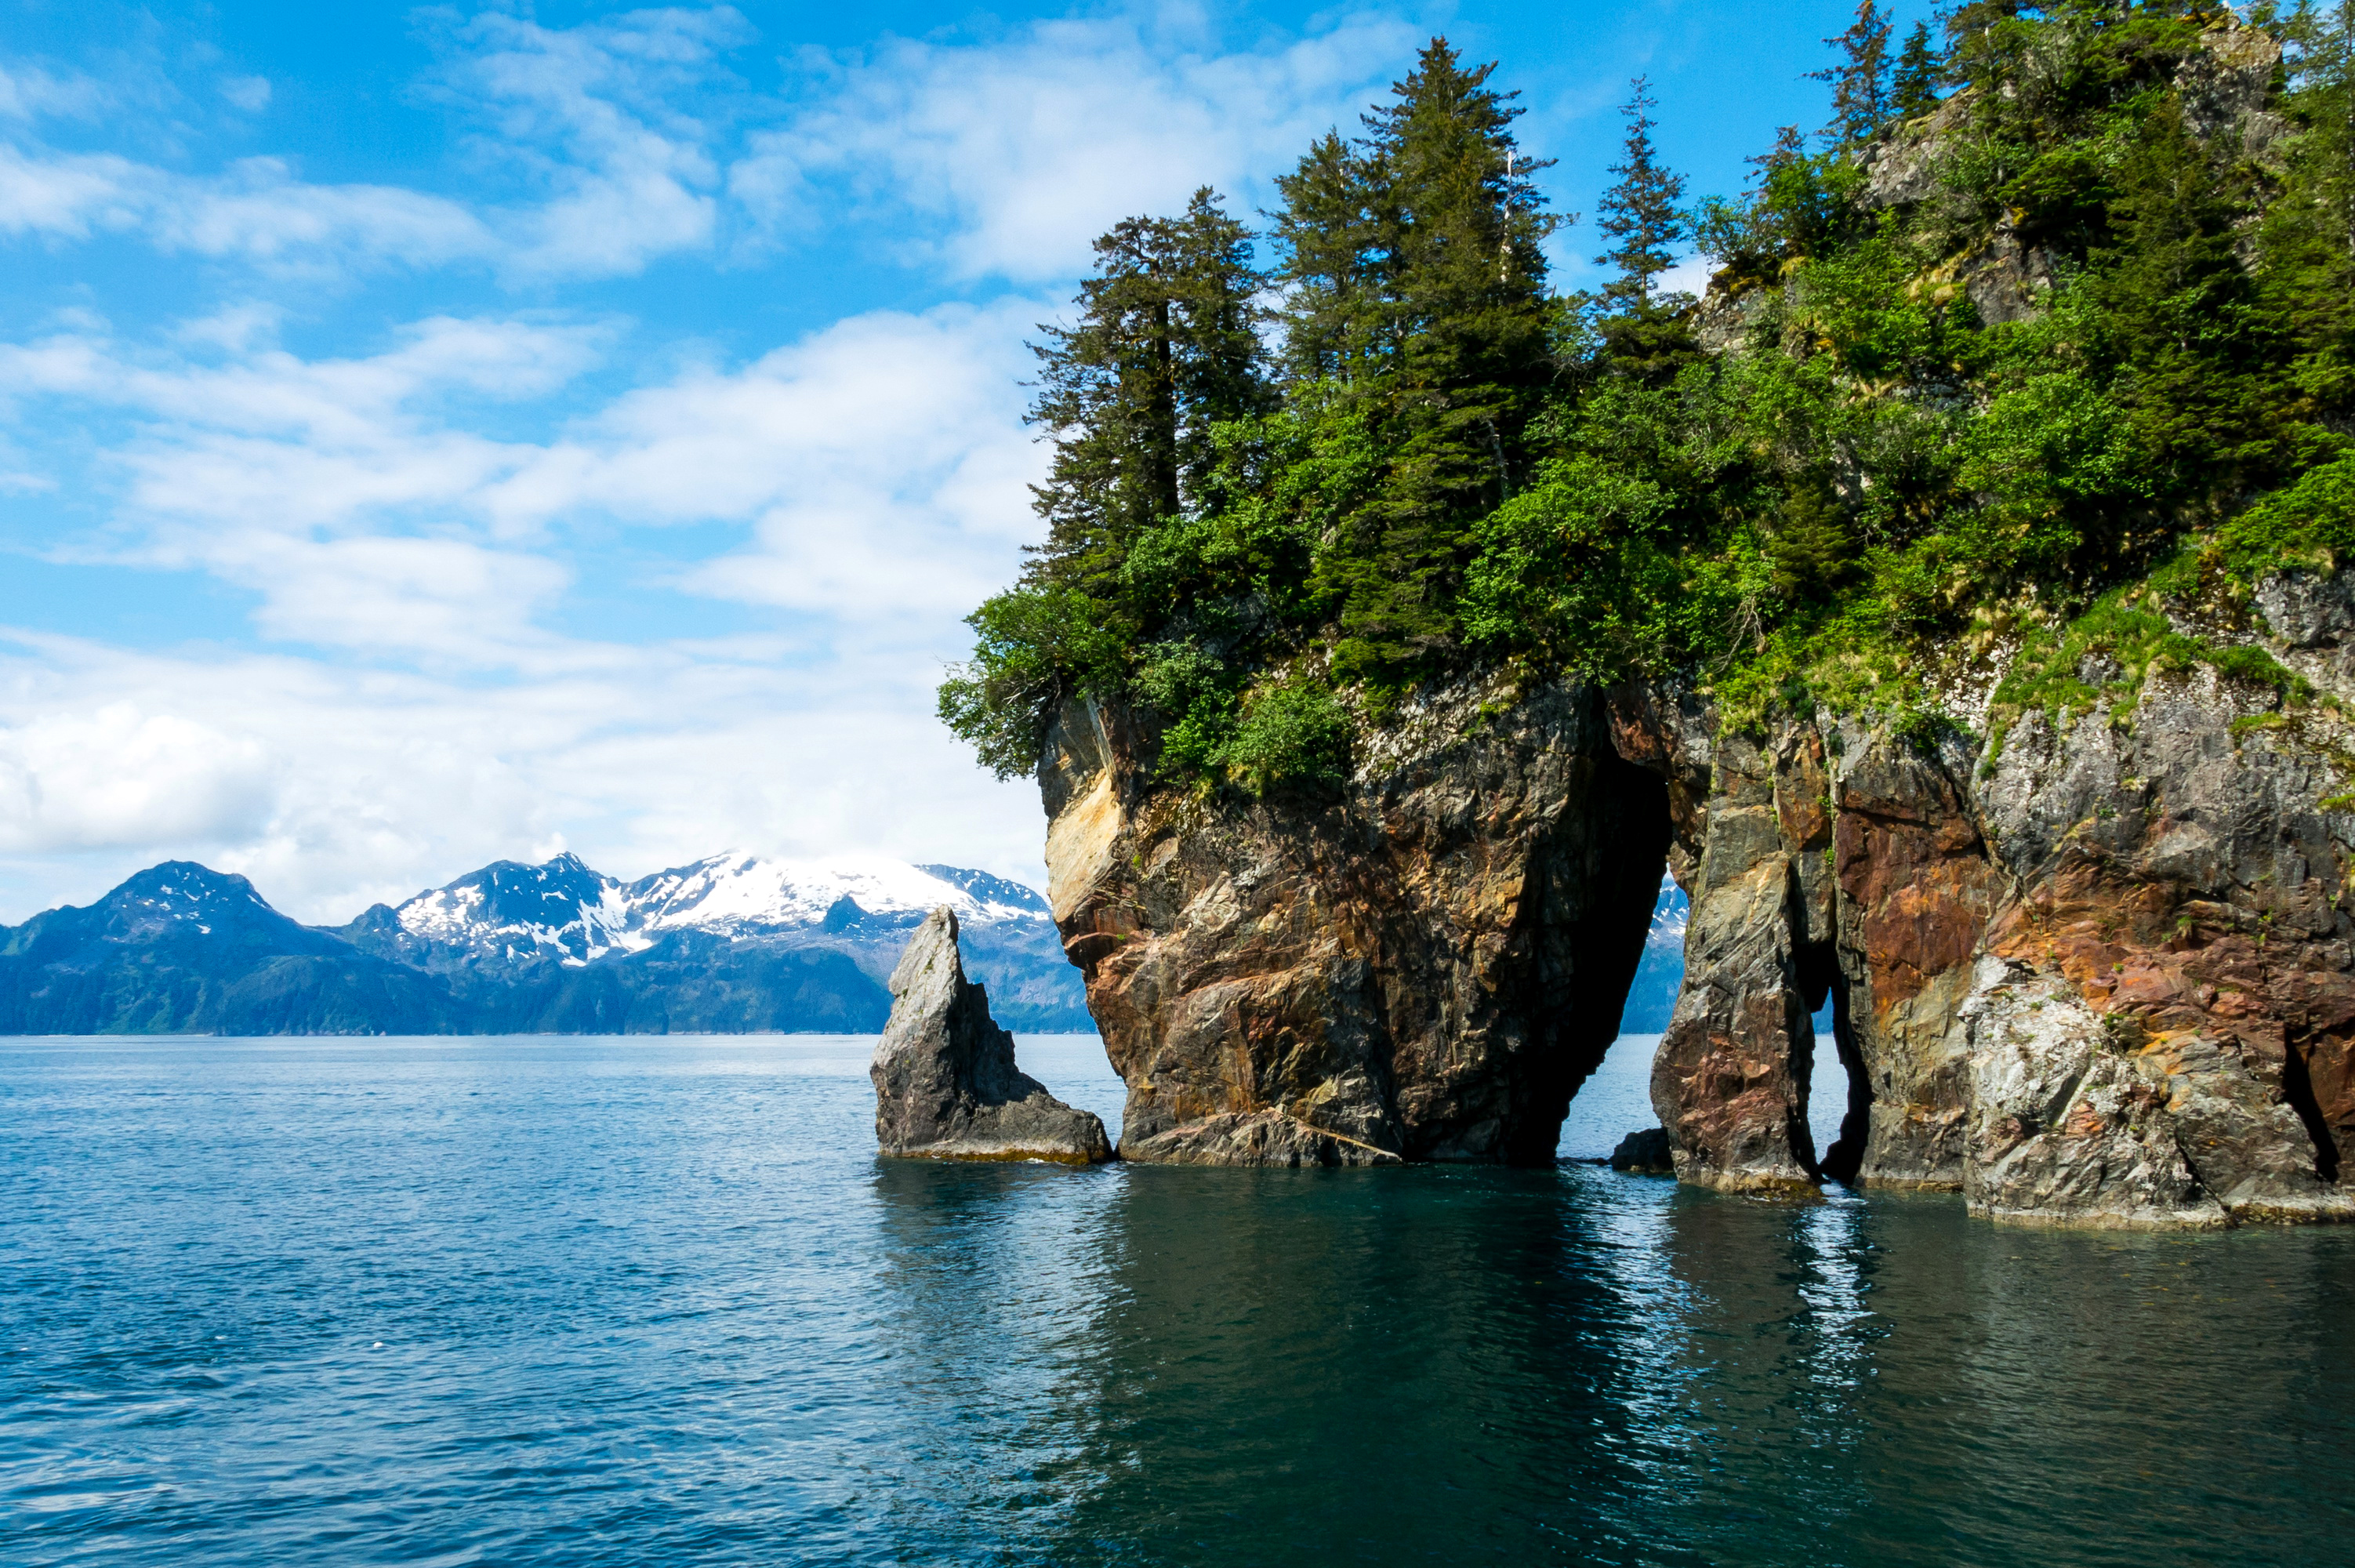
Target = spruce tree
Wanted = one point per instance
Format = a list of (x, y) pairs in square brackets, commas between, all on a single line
[(1333, 265), (1860, 80), (1417, 286), (1639, 214), (1463, 223), (1166, 345), (1915, 90)]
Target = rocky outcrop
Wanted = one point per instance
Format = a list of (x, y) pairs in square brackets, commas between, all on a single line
[(2096, 968), (945, 1082), (1420, 965)]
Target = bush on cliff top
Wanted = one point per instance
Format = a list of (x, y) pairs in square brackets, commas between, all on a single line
[(1434, 460)]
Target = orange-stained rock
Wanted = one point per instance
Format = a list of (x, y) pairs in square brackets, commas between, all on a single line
[(2100, 974)]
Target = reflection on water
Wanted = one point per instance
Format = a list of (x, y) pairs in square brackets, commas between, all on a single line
[(651, 1302)]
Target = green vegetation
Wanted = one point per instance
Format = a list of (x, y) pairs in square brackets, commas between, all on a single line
[(2088, 350)]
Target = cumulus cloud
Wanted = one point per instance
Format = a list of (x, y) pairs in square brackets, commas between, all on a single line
[(118, 777), (330, 487), (886, 440), (1030, 146), (875, 474), (333, 787)]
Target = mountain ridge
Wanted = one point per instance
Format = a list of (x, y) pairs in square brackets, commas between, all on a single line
[(730, 944)]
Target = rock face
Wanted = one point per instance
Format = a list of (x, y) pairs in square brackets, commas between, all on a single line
[(2096, 969), (1419, 965), (945, 1082)]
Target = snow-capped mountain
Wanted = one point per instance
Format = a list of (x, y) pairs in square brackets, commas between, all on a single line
[(695, 941), (562, 910), (559, 909), (745, 895), (732, 945)]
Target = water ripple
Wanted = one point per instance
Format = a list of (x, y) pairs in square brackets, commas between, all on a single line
[(651, 1302)]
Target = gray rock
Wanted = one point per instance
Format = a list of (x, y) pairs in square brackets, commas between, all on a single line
[(945, 1082), (1647, 1153)]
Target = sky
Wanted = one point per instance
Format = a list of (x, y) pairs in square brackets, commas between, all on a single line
[(436, 435)]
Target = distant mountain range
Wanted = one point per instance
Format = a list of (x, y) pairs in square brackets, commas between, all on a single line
[(733, 943)]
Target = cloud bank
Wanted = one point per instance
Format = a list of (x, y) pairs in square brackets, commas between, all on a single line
[(514, 567)]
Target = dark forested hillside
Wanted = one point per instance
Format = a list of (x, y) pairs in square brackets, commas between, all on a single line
[(2052, 322)]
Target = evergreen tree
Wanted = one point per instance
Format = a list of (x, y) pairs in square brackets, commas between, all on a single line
[(1417, 284), (1920, 72), (2181, 308), (1639, 214), (1166, 345), (1463, 224), (1860, 80), (1336, 267), (1423, 238)]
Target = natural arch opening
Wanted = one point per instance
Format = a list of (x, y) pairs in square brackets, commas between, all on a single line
[(1615, 1099), (1592, 899)]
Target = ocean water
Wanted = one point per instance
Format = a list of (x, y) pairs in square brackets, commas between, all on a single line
[(654, 1301)]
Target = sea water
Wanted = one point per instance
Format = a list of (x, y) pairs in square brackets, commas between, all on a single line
[(654, 1301)]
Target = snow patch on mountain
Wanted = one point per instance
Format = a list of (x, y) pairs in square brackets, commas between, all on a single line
[(1669, 917), (745, 895), (564, 909)]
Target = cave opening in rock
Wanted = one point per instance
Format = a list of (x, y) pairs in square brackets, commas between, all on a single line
[(1831, 1069), (1596, 912)]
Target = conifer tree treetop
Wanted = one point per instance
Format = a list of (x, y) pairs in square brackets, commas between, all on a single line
[(1640, 215)]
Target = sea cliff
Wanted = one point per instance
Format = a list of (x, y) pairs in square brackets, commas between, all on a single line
[(2096, 969), (1950, 600)]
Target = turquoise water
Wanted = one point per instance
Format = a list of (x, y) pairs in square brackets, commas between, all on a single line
[(653, 1301)]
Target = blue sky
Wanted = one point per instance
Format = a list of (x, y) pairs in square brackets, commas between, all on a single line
[(429, 435)]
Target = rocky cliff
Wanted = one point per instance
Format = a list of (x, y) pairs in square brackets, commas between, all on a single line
[(1420, 965), (2092, 964)]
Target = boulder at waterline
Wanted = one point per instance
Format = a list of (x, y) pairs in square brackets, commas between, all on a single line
[(1647, 1153), (945, 1082)]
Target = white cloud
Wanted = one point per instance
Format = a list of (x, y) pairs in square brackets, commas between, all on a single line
[(250, 94), (621, 141), (594, 111), (583, 119), (413, 555), (878, 468), (332, 788), (256, 211), (68, 196), (118, 777), (1689, 276), (884, 460), (32, 92), (1029, 148)]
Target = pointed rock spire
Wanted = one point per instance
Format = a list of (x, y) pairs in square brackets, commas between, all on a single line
[(945, 1082)]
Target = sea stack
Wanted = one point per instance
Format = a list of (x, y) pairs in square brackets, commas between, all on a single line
[(945, 1082)]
